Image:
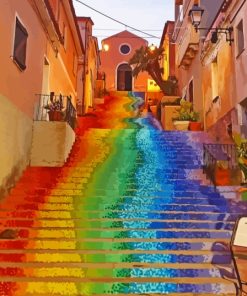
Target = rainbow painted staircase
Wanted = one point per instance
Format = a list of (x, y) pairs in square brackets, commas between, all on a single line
[(124, 216)]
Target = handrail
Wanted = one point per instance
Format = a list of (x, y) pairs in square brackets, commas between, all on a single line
[(55, 108), (213, 153)]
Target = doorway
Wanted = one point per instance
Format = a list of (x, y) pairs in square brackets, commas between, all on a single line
[(191, 92), (124, 78), (243, 118), (43, 101), (45, 80)]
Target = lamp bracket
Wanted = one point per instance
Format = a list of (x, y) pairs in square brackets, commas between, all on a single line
[(228, 31)]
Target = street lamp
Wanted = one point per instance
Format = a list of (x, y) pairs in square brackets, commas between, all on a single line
[(152, 47), (196, 14), (106, 47)]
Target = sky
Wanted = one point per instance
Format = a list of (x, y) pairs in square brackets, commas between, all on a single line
[(146, 15)]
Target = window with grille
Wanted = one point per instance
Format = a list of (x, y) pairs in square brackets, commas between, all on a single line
[(20, 45)]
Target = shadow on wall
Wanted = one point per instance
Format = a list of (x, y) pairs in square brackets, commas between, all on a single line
[(10, 181)]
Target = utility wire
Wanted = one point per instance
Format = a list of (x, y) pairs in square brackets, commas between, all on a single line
[(115, 20), (100, 29), (137, 37)]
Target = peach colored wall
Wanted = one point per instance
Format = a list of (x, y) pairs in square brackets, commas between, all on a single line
[(85, 26), (19, 86), (54, 6), (56, 138), (226, 86), (168, 57), (111, 59), (194, 70), (18, 89), (232, 86), (241, 60), (68, 51)]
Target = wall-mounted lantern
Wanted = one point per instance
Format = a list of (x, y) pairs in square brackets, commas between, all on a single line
[(196, 14)]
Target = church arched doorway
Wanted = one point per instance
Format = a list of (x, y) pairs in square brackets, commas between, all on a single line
[(124, 77)]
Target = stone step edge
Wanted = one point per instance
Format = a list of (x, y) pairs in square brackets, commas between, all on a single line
[(118, 240), (58, 279), (115, 220), (141, 219), (137, 294), (113, 229), (114, 252), (117, 265)]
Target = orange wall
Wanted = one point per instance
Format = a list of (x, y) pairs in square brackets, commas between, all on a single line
[(241, 60), (168, 57), (194, 70), (68, 50), (19, 86), (226, 86), (111, 59)]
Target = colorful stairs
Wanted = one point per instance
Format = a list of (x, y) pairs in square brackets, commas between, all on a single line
[(121, 217)]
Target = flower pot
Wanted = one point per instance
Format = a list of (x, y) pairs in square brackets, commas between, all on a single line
[(153, 110), (195, 126), (222, 176), (181, 125), (55, 116)]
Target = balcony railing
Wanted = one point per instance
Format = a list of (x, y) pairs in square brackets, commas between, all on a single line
[(215, 153), (188, 46), (55, 108)]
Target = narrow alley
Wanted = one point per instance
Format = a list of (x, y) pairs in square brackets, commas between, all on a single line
[(128, 214)]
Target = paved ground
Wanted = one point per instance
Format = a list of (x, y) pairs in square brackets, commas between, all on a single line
[(125, 215)]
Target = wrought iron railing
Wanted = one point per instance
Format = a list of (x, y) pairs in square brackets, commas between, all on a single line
[(55, 108), (215, 153)]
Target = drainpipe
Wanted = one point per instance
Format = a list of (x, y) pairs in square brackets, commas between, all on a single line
[(85, 64)]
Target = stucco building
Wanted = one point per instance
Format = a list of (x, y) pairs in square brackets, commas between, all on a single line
[(168, 57), (90, 64), (224, 73), (188, 49), (40, 49), (114, 62)]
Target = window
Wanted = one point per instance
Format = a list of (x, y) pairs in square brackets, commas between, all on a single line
[(64, 34), (215, 79), (124, 49), (20, 45), (74, 64), (240, 37), (181, 12)]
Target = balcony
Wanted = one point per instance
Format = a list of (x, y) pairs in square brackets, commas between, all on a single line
[(53, 134), (188, 46), (55, 108)]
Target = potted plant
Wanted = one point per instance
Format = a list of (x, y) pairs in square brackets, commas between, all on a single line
[(181, 122), (222, 173), (241, 147), (195, 124), (55, 107)]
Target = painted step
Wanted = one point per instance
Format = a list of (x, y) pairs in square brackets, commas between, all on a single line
[(68, 215), (214, 258), (114, 225), (147, 246), (149, 288), (147, 234), (110, 200), (123, 209)]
